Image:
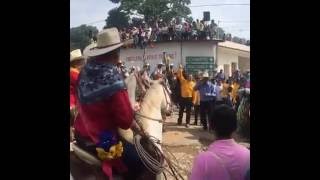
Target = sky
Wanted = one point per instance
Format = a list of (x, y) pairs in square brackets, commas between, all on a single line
[(233, 19)]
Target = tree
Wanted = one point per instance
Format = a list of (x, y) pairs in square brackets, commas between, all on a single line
[(136, 21), (236, 39), (189, 19), (80, 36), (117, 19), (248, 43), (154, 10)]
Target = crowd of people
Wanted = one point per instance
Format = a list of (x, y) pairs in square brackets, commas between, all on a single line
[(173, 30), (99, 105), (197, 92)]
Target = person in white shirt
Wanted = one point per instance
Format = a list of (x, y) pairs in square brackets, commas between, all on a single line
[(178, 28), (218, 91)]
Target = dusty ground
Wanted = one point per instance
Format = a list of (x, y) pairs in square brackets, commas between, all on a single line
[(184, 143)]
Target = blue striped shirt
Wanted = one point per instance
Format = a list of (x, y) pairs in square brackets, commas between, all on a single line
[(207, 91)]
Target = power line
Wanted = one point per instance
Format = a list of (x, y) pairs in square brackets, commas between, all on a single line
[(220, 5), (96, 22), (234, 22)]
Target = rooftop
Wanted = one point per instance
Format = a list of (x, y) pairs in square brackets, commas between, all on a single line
[(233, 45)]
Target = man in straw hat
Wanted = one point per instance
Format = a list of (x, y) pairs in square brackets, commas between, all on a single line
[(104, 105), (207, 97)]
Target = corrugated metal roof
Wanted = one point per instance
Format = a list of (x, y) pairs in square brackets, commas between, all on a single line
[(233, 45)]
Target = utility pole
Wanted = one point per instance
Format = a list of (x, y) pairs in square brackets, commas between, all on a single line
[(144, 56), (218, 29)]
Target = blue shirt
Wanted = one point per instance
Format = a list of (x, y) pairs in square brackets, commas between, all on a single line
[(207, 91)]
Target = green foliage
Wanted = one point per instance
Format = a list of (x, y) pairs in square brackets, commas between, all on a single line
[(117, 19), (80, 36), (189, 19), (154, 10)]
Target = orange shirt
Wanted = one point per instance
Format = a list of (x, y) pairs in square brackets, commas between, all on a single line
[(186, 86)]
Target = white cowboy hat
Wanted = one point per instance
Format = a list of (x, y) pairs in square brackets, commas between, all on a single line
[(107, 40), (76, 55), (205, 75), (86, 49)]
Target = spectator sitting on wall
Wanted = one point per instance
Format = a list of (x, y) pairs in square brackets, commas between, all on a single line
[(164, 32), (171, 31), (198, 25), (201, 31), (194, 32), (207, 31), (212, 29), (186, 31), (135, 35), (178, 30)]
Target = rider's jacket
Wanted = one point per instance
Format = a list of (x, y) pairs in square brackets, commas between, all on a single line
[(103, 105), (74, 73)]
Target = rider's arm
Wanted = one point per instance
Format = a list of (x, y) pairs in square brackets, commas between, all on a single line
[(180, 75), (122, 110)]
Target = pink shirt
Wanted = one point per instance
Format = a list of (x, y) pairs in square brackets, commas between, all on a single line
[(224, 160)]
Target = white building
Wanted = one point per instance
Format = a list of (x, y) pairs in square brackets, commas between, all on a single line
[(232, 56), (195, 55)]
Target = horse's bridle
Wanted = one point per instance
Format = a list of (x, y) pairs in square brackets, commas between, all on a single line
[(166, 98), (165, 91)]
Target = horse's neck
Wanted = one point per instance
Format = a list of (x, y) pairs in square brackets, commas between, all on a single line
[(151, 104), (151, 109), (131, 88)]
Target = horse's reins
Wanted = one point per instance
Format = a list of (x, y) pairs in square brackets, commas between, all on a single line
[(154, 165)]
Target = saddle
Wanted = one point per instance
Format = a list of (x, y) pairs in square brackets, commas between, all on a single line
[(85, 156), (89, 158)]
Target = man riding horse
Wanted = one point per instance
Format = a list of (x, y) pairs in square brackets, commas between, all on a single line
[(103, 104)]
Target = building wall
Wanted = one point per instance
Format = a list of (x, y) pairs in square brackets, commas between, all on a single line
[(227, 56), (134, 57), (244, 63)]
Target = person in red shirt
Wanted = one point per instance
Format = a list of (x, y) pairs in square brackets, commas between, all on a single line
[(76, 63), (103, 103)]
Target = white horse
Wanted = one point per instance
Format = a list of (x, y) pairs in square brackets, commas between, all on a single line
[(155, 105), (131, 83)]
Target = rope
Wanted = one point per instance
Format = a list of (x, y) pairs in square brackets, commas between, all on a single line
[(154, 165), (159, 120)]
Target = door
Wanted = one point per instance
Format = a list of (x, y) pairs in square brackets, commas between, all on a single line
[(226, 69), (244, 64), (233, 67)]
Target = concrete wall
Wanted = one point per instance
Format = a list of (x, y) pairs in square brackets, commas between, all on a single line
[(176, 50), (244, 64), (229, 56)]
